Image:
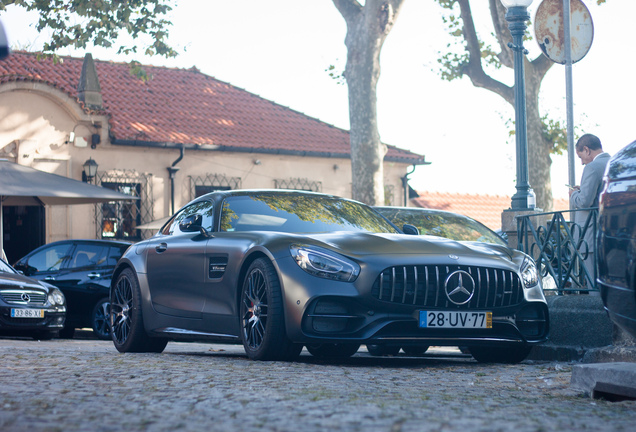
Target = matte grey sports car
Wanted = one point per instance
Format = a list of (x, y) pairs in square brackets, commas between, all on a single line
[(279, 270)]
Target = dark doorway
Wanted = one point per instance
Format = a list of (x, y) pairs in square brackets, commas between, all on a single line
[(23, 230)]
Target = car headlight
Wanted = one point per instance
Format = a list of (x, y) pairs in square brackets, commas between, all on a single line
[(529, 273), (56, 297), (324, 263)]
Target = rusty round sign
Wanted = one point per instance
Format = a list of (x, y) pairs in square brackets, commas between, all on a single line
[(548, 29)]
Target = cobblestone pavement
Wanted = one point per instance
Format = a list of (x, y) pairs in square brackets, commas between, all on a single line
[(86, 385)]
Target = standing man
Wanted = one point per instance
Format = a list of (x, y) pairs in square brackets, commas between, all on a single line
[(590, 151)]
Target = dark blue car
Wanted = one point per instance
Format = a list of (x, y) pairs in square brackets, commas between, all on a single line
[(617, 239), (82, 270)]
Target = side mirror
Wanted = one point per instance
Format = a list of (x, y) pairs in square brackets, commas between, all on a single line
[(191, 224), (410, 229)]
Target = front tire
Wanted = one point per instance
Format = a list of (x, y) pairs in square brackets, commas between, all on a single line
[(126, 319), (262, 315), (100, 318), (502, 354), (329, 350)]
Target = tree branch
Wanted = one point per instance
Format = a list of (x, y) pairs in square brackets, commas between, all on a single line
[(349, 9), (474, 69)]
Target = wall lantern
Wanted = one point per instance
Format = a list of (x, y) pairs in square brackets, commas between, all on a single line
[(90, 170)]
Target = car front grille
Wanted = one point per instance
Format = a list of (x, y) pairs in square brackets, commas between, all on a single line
[(20, 297), (424, 285)]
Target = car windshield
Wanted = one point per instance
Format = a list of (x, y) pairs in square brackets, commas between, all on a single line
[(296, 213), (5, 268), (443, 224)]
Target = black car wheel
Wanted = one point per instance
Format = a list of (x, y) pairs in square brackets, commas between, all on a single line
[(261, 315), (383, 350), (127, 323), (100, 318), (333, 350), (415, 350), (506, 354)]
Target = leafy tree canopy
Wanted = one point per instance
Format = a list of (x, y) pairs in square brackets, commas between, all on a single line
[(77, 23)]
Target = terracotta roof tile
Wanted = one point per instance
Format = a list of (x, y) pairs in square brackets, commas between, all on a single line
[(486, 209), (189, 107)]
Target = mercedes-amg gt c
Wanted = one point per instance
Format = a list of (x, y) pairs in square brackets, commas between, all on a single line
[(279, 270)]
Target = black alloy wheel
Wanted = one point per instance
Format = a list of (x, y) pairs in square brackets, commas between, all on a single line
[(128, 333), (262, 317), (501, 354), (100, 319), (331, 350)]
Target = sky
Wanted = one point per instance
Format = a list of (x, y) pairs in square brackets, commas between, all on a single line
[(281, 49)]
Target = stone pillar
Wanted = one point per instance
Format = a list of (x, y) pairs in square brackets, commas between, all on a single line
[(509, 223)]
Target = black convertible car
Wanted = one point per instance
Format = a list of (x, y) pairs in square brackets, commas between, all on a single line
[(279, 270)]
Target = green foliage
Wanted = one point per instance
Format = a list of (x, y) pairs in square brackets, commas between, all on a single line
[(556, 133), (77, 23)]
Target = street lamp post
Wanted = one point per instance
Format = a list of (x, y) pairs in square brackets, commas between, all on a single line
[(517, 15)]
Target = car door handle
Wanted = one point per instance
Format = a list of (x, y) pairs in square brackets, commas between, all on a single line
[(161, 247), (49, 278), (93, 275)]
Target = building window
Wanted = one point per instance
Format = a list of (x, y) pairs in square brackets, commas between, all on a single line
[(298, 184), (201, 185), (119, 219)]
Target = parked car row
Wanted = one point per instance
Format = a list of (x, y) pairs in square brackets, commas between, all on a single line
[(279, 270)]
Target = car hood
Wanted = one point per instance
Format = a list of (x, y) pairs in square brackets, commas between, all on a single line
[(361, 244), (18, 281)]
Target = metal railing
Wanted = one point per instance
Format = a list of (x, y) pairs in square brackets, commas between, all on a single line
[(560, 248)]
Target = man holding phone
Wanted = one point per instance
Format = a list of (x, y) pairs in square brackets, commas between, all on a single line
[(585, 196)]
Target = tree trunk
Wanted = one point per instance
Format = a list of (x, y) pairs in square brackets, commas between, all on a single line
[(367, 28)]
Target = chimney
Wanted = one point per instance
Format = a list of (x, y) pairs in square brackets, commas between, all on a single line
[(88, 90)]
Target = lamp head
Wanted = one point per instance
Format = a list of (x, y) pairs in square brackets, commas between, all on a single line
[(516, 3), (90, 169)]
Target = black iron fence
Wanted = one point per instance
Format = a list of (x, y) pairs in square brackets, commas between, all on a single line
[(563, 249)]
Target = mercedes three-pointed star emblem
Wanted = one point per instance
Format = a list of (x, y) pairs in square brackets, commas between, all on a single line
[(459, 287)]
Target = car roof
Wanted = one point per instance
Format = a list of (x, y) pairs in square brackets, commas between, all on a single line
[(218, 195)]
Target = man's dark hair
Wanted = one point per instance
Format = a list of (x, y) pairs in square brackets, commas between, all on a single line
[(590, 141)]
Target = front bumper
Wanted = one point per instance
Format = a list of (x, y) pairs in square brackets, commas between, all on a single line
[(53, 320)]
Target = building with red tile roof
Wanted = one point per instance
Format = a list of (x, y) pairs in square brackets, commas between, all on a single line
[(166, 140), (485, 208)]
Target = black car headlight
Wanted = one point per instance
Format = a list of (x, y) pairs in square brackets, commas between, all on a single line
[(324, 263), (56, 297), (529, 273)]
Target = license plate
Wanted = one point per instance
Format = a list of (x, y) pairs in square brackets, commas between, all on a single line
[(447, 319), (27, 313)]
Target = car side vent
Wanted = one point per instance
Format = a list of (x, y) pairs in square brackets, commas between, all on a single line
[(424, 286), (217, 267)]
